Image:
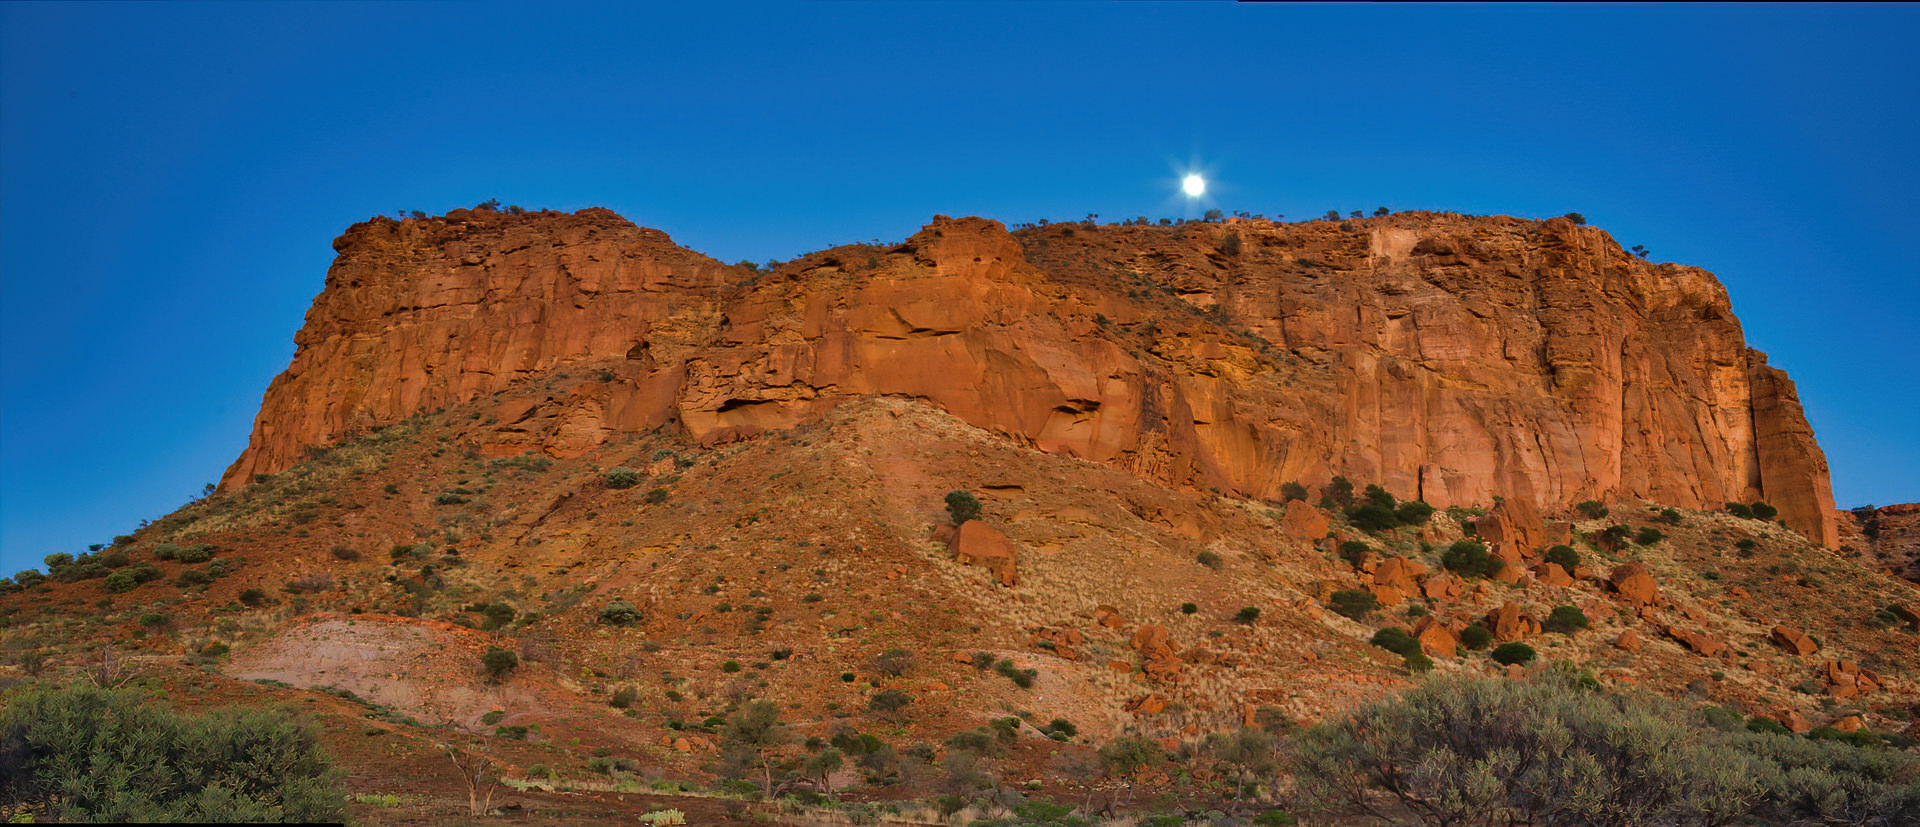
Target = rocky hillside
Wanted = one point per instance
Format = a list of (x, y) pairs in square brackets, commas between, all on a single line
[(1448, 358)]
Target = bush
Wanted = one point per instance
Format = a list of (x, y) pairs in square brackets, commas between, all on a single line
[(28, 578), (1413, 512), (196, 553), (193, 577), (1396, 640), (448, 498), (1762, 511), (1566, 620), (1564, 557), (1513, 653), (962, 506), (1354, 551), (1592, 509), (1648, 536), (623, 478), (1247, 614), (496, 615), (1669, 516), (119, 582), (498, 663), (81, 753), (253, 598), (1022, 678), (1576, 218), (1126, 755), (623, 698), (893, 663), (620, 613), (1476, 637), (1189, 608), (1740, 510), (1469, 558), (1339, 491), (1614, 536), (1373, 517), (889, 700), (1354, 603), (1210, 560), (1293, 491), (1378, 496)]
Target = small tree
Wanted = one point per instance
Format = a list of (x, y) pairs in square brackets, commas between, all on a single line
[(962, 506), (499, 662), (1576, 218), (1247, 614), (1293, 491), (1592, 509), (1762, 511), (1381, 211), (754, 734), (623, 478), (1468, 558), (1354, 603), (1564, 556), (1566, 620)]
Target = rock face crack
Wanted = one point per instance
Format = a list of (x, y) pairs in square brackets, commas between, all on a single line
[(1471, 357)]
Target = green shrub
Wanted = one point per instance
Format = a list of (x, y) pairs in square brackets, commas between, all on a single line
[(1762, 511), (1564, 557), (1476, 637), (1513, 653), (493, 716), (1566, 620), (496, 615), (1614, 536), (1354, 603), (888, 700), (1022, 678), (1210, 560), (28, 578), (657, 496), (166, 551), (623, 478), (1418, 662), (57, 561), (448, 498), (620, 613), (1592, 509), (119, 582), (962, 506), (80, 753), (498, 663), (1413, 512), (196, 553), (1576, 218), (1648, 536), (1469, 558), (1189, 608), (1126, 755), (1378, 496), (1740, 510), (1339, 492), (1293, 491), (1669, 516), (253, 598), (1354, 552), (1396, 640), (193, 577), (1372, 517), (1247, 614), (623, 698)]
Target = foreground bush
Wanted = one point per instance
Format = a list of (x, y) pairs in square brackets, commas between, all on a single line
[(80, 753), (1474, 751)]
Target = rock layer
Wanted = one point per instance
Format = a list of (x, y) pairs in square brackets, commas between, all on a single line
[(1444, 357)]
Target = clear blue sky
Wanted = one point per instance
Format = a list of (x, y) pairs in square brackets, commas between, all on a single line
[(171, 173)]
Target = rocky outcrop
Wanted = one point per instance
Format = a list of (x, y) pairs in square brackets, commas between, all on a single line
[(1444, 357), (1888, 537), (979, 544)]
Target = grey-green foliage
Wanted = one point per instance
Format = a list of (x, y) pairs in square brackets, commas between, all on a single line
[(1472, 751), (88, 754)]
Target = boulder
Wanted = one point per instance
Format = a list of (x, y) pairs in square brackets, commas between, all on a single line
[(979, 544), (1699, 642), (1508, 624), (1794, 641), (1435, 639), (1513, 522), (1630, 641), (1634, 584), (1159, 655), (1304, 522), (1551, 574)]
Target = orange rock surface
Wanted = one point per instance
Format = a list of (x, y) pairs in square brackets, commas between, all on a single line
[(1445, 357)]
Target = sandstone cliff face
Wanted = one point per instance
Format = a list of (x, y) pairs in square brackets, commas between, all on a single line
[(1444, 357)]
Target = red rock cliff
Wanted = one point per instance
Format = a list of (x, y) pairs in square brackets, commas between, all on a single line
[(1444, 357)]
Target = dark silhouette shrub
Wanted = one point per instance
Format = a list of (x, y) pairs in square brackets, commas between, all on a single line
[(499, 663), (890, 700), (962, 506), (1762, 511), (620, 613), (1373, 517), (1648, 536), (1576, 218), (1247, 614), (1354, 551), (1741, 510), (1513, 653), (1354, 603), (1469, 558), (1396, 640), (623, 478), (1293, 491), (1476, 637), (1413, 512), (1565, 557), (1566, 620), (1210, 560), (1592, 509)]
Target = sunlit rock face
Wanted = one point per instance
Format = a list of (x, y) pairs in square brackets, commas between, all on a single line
[(1444, 357)]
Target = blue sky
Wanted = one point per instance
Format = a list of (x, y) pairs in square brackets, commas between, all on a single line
[(171, 173)]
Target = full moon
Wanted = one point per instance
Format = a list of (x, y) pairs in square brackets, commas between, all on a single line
[(1194, 185)]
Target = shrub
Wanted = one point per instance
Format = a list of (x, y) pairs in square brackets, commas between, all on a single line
[(81, 753), (1354, 603), (493, 716), (1126, 755), (496, 615), (1379, 496), (889, 700), (893, 663), (1669, 516), (1022, 678), (1373, 517), (1476, 637), (119, 582), (1469, 558), (1762, 511), (620, 613), (28, 578), (1565, 557), (1396, 640), (196, 553), (1247, 614), (1648, 536), (623, 698), (1210, 560), (1592, 509), (962, 506), (1513, 653), (1566, 620), (57, 560), (1293, 491), (730, 666), (1354, 551), (1340, 491), (1740, 510), (1614, 536), (448, 498), (623, 478), (192, 577), (1189, 608), (253, 598), (499, 662), (1576, 218), (1413, 512)]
